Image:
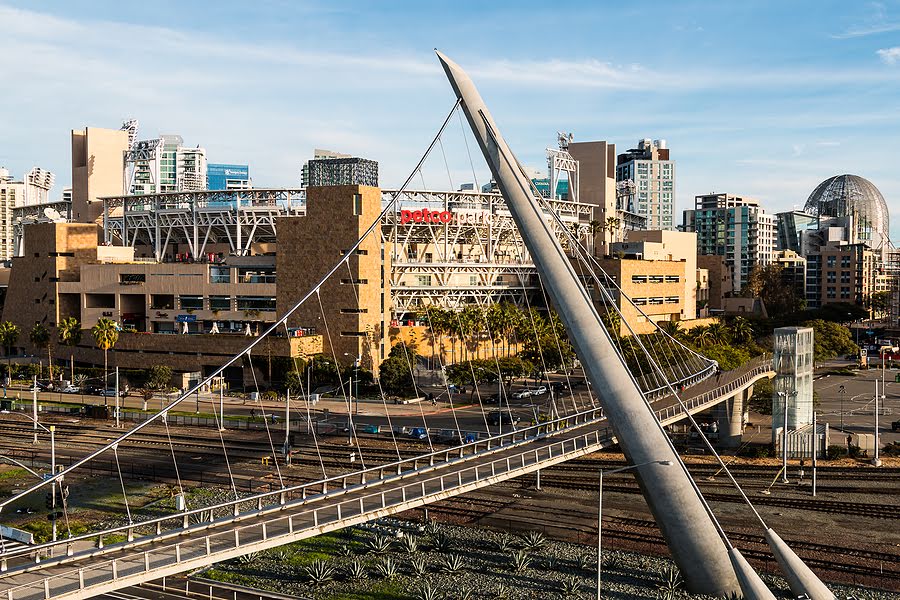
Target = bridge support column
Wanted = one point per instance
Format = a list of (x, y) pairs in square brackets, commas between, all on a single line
[(537, 480), (729, 417), (689, 530)]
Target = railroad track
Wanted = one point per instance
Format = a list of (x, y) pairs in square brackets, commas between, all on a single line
[(860, 509)]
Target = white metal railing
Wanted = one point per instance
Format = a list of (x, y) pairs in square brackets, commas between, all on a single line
[(267, 533), (156, 556)]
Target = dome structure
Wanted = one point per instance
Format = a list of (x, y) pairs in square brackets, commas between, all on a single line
[(845, 196)]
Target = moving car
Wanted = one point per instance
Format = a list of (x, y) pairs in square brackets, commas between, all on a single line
[(504, 417), (70, 389), (418, 433)]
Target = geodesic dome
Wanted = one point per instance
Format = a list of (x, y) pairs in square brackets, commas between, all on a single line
[(846, 195)]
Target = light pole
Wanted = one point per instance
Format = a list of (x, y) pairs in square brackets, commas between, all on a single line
[(665, 463), (52, 431), (843, 392), (876, 461)]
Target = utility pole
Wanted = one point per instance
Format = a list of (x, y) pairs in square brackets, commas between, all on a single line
[(876, 461), (222, 404), (53, 472), (117, 397), (287, 422), (843, 392), (815, 452), (34, 407)]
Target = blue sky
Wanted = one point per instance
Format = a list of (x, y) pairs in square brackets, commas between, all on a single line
[(757, 98)]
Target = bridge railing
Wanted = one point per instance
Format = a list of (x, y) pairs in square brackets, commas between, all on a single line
[(369, 476), (753, 370), (317, 490), (260, 535)]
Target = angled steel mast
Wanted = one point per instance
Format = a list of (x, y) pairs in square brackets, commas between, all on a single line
[(690, 533)]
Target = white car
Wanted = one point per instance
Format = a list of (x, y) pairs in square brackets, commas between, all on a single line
[(71, 389), (539, 391), (522, 395)]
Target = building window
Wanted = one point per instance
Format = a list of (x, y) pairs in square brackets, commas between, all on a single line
[(220, 303), (354, 311), (354, 281), (190, 302), (638, 279), (219, 275), (673, 278), (423, 280), (261, 303), (357, 204), (132, 278)]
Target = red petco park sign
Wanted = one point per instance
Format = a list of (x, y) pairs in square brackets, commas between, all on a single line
[(460, 217), (425, 216)]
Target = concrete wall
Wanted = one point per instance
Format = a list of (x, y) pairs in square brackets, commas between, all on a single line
[(353, 315), (597, 184), (98, 170)]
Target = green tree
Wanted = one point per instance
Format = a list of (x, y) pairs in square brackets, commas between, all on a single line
[(777, 291), (395, 376), (741, 330), (40, 338), (9, 335), (69, 333), (830, 339), (106, 334)]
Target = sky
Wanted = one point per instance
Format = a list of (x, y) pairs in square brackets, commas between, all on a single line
[(756, 98)]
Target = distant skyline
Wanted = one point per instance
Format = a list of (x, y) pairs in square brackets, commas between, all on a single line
[(763, 99)]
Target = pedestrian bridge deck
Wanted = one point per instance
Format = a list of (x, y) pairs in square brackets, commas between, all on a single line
[(84, 567)]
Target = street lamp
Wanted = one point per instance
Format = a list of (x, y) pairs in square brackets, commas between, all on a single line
[(843, 392), (665, 463), (52, 431)]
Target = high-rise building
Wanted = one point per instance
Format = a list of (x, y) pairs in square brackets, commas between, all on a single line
[(651, 169), (343, 171), (734, 227), (791, 226), (12, 194), (228, 177), (165, 164), (98, 170), (318, 154)]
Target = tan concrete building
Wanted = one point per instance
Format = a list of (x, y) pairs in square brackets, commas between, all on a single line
[(720, 286), (848, 273), (12, 194), (355, 302), (597, 187), (670, 246), (98, 170)]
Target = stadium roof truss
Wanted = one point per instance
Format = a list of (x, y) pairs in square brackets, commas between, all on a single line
[(476, 238), (239, 218)]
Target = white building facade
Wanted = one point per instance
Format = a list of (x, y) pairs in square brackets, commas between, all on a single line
[(653, 172)]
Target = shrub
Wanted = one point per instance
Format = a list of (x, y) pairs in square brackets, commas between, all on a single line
[(534, 540), (345, 550), (319, 572), (835, 452), (408, 544), (451, 564), (431, 527), (520, 561), (356, 570), (570, 586), (442, 543), (418, 566), (428, 592), (671, 583), (378, 544), (504, 544), (387, 568), (502, 592)]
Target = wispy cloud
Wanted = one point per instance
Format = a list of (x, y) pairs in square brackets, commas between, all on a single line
[(876, 23), (890, 56)]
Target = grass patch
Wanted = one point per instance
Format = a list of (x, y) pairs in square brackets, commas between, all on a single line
[(13, 474), (43, 529), (231, 577), (321, 547), (383, 590)]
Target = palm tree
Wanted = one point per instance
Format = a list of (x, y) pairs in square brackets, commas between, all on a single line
[(106, 334), (612, 225), (40, 338), (672, 328), (9, 335), (741, 330), (69, 331), (718, 333)]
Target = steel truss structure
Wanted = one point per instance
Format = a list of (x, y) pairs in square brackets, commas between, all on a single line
[(198, 219), (476, 256), (46, 212)]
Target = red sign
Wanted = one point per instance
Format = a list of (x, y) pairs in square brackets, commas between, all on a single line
[(425, 216)]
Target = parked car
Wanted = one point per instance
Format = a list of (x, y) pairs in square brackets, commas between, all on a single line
[(498, 417), (521, 395), (492, 399), (44, 386), (539, 390), (895, 426), (71, 389), (418, 433), (111, 393)]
